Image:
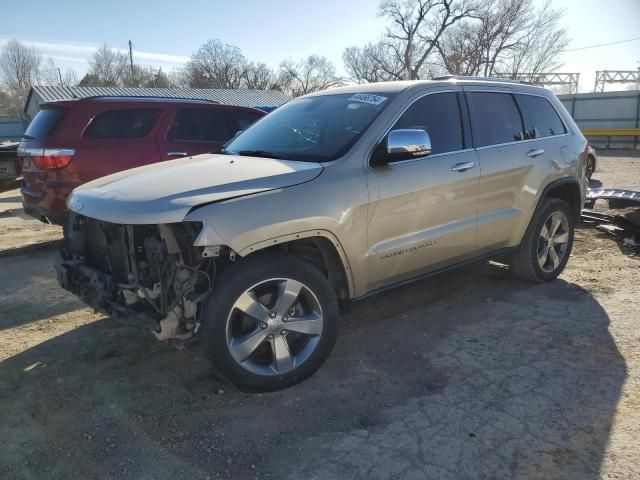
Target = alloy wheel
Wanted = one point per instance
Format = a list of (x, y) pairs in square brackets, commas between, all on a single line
[(553, 241), (274, 326)]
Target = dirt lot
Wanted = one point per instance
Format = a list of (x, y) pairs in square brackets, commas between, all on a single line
[(468, 375)]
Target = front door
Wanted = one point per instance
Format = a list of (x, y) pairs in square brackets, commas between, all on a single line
[(423, 210)]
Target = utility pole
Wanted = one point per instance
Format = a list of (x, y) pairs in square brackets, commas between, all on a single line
[(60, 77), (131, 59)]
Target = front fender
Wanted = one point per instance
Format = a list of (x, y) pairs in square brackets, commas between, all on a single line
[(252, 223)]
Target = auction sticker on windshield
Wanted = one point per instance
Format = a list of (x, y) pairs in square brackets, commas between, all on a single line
[(368, 98)]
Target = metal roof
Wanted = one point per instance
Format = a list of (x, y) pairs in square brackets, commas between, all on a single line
[(245, 98)]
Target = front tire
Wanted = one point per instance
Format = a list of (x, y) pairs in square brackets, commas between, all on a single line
[(545, 250), (271, 322)]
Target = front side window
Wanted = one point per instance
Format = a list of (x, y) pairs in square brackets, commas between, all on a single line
[(495, 118), (199, 124), (540, 118), (315, 129), (122, 124), (439, 115)]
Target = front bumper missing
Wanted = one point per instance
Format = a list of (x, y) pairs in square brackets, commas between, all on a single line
[(99, 291)]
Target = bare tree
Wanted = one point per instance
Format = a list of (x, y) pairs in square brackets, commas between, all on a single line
[(417, 26), (216, 65), (311, 74), (107, 67), (540, 48), (159, 79), (506, 36), (52, 74), (260, 76), (179, 78), (19, 69), (375, 62), (461, 51)]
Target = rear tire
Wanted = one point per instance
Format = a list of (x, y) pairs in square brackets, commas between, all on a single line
[(289, 330), (545, 250)]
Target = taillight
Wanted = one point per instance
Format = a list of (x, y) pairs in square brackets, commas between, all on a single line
[(49, 158)]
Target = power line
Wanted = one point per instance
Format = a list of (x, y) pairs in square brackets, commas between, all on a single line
[(601, 45)]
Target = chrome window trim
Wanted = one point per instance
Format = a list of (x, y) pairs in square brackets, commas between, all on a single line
[(435, 155), (395, 120), (520, 142)]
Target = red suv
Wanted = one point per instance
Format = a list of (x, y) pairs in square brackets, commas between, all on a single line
[(71, 142)]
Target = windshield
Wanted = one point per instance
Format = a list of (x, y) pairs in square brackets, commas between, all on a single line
[(315, 129)]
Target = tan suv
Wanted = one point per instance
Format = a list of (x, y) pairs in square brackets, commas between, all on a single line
[(334, 196)]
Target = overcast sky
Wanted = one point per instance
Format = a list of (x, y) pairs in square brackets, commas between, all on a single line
[(165, 33)]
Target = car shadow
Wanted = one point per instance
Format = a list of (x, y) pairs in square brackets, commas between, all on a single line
[(470, 374)]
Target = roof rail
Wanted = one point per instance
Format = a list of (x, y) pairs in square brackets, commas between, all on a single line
[(150, 97), (484, 79)]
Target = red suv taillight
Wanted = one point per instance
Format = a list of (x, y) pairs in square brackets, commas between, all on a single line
[(48, 158)]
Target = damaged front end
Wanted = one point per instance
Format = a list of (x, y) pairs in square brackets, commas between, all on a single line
[(149, 274)]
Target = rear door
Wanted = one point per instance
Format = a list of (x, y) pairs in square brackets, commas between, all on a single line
[(116, 139), (194, 130), (514, 161)]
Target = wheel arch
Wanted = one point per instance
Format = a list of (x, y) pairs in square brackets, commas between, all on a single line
[(566, 189), (319, 247)]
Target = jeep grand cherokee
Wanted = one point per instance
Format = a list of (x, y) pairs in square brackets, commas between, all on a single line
[(334, 196)]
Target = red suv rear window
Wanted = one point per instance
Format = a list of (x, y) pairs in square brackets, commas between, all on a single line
[(122, 124), (44, 123)]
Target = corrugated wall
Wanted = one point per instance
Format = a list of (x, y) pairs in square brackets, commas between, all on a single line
[(11, 128), (607, 110)]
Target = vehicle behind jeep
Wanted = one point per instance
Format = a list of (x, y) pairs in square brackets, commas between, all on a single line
[(335, 196), (71, 142), (9, 165)]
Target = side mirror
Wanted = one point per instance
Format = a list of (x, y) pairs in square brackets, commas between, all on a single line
[(402, 144)]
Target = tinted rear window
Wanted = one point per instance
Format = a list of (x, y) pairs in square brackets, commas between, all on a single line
[(44, 123), (540, 118), (200, 124), (122, 124), (495, 118)]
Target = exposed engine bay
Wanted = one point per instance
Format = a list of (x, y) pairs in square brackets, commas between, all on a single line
[(148, 275)]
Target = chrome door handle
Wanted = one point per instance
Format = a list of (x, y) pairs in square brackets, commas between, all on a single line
[(177, 154), (462, 167), (535, 153)]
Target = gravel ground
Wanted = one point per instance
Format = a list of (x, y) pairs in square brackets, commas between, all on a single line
[(20, 233), (471, 374)]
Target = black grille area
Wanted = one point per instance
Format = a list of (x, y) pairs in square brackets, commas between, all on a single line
[(107, 248)]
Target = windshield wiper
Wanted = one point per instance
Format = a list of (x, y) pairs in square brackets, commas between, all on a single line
[(261, 153)]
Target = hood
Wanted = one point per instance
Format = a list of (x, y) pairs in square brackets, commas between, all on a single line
[(165, 192)]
